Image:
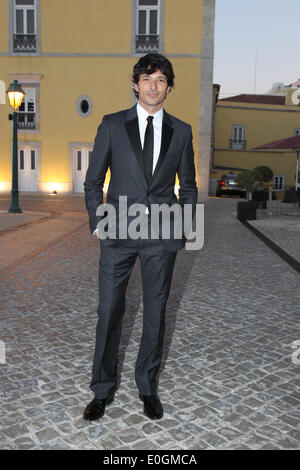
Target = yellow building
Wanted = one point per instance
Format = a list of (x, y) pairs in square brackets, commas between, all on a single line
[(246, 121), (74, 60)]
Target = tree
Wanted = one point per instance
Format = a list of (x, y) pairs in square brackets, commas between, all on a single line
[(266, 173), (249, 180)]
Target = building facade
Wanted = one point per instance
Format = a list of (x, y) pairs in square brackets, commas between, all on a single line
[(246, 121), (74, 61)]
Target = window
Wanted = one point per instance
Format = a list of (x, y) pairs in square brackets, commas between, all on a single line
[(84, 106), (147, 25), (237, 141), (297, 131), (32, 154), (24, 26), (27, 110), (278, 181), (21, 159)]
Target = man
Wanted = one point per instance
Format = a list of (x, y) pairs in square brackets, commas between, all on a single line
[(144, 147)]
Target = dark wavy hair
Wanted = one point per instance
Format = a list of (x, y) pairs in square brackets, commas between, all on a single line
[(149, 64)]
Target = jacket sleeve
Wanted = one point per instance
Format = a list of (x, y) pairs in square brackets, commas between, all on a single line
[(188, 191), (95, 175)]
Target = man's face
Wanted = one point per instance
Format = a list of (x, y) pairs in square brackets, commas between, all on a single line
[(152, 89)]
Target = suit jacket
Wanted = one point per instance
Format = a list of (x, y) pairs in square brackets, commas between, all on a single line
[(118, 147)]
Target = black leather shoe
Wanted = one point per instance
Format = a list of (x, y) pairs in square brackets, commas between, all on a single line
[(96, 408), (152, 406)]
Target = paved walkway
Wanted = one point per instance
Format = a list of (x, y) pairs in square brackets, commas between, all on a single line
[(284, 230), (229, 381)]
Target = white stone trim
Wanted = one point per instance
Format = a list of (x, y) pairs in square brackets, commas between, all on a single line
[(206, 97), (105, 55), (26, 77), (248, 108), (78, 109), (72, 147)]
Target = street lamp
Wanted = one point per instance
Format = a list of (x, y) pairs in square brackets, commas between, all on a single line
[(15, 96)]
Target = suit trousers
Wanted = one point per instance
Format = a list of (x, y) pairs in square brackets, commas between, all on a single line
[(115, 267)]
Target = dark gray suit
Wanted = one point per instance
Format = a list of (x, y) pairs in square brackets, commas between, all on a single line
[(118, 147)]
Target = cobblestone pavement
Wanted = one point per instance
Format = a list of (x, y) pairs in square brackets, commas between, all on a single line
[(229, 381), (284, 230)]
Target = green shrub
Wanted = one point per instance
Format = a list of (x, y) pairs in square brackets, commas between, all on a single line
[(266, 173), (249, 180)]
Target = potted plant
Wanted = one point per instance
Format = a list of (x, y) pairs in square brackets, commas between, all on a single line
[(261, 194), (248, 180)]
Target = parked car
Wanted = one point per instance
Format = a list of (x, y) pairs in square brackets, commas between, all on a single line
[(227, 185)]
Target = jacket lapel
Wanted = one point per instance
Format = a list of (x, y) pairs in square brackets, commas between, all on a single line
[(166, 136), (132, 129)]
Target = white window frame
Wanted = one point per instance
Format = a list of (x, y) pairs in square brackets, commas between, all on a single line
[(27, 90), (78, 105), (13, 27), (238, 144), (148, 8), (282, 183), (28, 81), (24, 8), (160, 26)]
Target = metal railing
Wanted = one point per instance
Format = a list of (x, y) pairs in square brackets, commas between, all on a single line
[(26, 120), (24, 42), (237, 144), (146, 42)]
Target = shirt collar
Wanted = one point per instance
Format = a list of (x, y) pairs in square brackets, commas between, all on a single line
[(143, 114)]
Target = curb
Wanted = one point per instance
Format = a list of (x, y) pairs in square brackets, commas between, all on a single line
[(276, 248), (14, 228)]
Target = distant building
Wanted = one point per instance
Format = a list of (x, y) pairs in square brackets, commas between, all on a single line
[(74, 60), (295, 84), (280, 88), (245, 121)]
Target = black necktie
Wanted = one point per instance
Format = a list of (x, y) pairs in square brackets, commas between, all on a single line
[(148, 150)]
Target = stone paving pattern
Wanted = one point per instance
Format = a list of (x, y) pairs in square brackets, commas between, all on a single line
[(229, 381), (284, 230), (11, 220), (46, 230)]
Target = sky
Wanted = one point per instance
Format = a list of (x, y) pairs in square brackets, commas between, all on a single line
[(246, 29)]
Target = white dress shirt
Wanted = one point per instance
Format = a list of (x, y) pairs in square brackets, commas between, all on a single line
[(157, 127)]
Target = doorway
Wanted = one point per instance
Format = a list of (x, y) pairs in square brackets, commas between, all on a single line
[(27, 174), (82, 157)]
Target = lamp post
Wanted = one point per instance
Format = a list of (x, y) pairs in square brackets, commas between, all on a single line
[(15, 96)]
